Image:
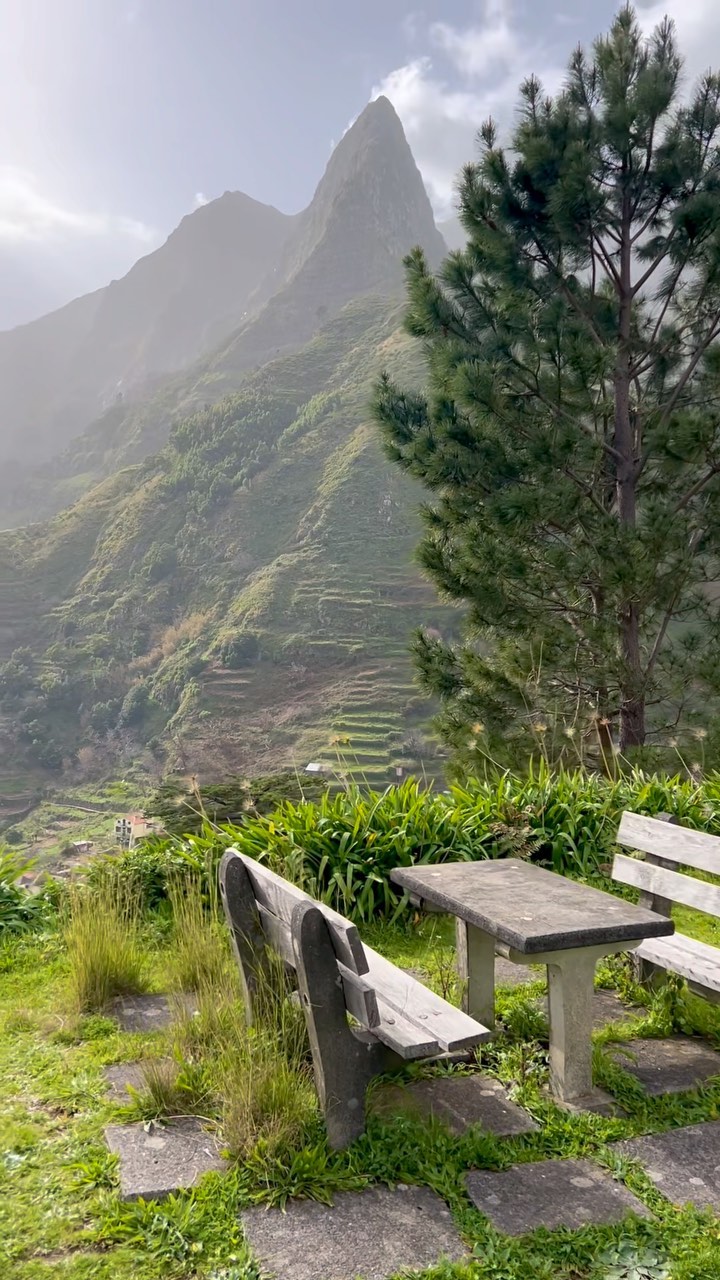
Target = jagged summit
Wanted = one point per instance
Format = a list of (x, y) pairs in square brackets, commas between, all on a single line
[(370, 208), (236, 284)]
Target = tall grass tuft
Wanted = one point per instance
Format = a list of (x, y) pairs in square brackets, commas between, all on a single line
[(255, 1081), (200, 953), (101, 934), (266, 1079)]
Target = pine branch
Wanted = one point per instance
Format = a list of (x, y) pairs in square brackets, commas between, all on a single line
[(696, 488), (690, 369)]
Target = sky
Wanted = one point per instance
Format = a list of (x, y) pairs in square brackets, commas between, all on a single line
[(118, 117)]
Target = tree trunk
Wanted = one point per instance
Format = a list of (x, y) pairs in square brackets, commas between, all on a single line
[(632, 723), (632, 706)]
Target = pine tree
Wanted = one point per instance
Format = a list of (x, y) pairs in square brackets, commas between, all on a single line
[(570, 434)]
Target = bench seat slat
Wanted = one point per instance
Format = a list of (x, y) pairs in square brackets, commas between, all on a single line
[(674, 843), (669, 884), (400, 1034), (698, 962), (453, 1029)]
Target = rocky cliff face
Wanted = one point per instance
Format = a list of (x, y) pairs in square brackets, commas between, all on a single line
[(97, 385), (369, 209), (60, 372)]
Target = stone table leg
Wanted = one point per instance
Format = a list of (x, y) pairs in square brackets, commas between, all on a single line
[(570, 996), (571, 977), (475, 959)]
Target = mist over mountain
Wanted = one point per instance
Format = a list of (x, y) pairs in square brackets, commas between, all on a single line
[(59, 372), (237, 282)]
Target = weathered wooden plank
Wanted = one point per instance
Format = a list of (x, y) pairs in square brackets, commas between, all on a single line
[(400, 1011), (401, 1035), (360, 997), (670, 841), (670, 884), (281, 897), (699, 962), (277, 933), (453, 1029)]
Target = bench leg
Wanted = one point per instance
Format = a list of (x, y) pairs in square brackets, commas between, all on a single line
[(475, 959), (344, 1061), (246, 931), (647, 974)]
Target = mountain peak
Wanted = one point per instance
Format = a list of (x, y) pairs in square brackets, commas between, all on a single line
[(379, 114)]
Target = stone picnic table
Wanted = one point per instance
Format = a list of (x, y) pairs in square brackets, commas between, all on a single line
[(534, 916)]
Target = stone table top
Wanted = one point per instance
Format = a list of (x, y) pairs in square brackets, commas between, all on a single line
[(528, 908)]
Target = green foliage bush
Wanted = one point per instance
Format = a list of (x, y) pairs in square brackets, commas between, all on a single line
[(238, 649), (343, 847), (19, 909), (186, 812), (103, 715), (135, 705)]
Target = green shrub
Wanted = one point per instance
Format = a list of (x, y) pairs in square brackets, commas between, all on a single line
[(19, 909), (135, 705), (343, 847), (239, 649), (148, 870)]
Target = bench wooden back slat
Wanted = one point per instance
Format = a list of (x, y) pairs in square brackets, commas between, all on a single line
[(360, 996), (678, 888), (280, 898), (670, 842)]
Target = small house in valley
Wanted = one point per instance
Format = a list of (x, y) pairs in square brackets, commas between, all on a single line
[(131, 830)]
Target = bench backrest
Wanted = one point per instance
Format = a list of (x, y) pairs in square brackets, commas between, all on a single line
[(667, 847), (275, 902)]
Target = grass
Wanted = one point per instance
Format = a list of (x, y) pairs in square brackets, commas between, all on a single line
[(199, 954), (102, 938), (60, 1218)]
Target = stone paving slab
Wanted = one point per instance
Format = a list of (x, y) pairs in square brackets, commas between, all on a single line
[(683, 1163), (120, 1076), (607, 1009), (552, 1194), (149, 1013), (674, 1065), (157, 1159), (366, 1235), (459, 1101), (508, 974)]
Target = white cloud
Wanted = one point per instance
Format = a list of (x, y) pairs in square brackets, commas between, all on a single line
[(200, 199), (28, 214), (442, 111), (698, 31), (466, 74)]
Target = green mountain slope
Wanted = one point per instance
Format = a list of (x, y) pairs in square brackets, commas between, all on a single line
[(236, 286), (240, 599)]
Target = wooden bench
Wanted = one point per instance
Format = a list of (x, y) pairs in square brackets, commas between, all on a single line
[(399, 1019), (668, 847)]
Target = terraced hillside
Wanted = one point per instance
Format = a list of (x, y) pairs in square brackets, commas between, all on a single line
[(244, 599)]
